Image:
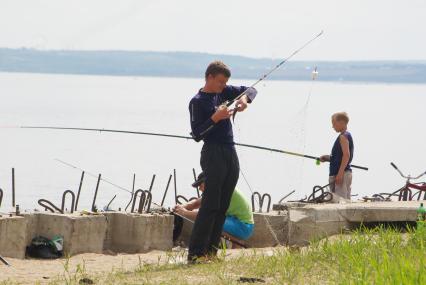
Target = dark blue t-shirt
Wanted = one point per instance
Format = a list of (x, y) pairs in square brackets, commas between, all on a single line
[(203, 105), (337, 154)]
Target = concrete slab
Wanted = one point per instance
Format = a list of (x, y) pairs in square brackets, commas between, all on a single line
[(133, 233), (312, 221), (270, 229), (305, 225), (293, 224), (81, 233), (13, 236)]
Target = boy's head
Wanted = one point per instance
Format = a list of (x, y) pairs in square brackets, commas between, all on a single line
[(200, 182), (340, 121), (217, 75)]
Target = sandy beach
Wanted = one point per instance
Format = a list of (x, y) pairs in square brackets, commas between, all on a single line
[(31, 271)]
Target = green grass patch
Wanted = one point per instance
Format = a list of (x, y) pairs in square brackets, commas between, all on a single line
[(367, 256)]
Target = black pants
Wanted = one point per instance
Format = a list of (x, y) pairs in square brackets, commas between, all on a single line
[(221, 167)]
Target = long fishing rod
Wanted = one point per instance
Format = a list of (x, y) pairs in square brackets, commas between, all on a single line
[(317, 159), (229, 103), (294, 154), (4, 261)]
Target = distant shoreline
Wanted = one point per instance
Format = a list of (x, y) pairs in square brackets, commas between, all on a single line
[(319, 80), (192, 65)]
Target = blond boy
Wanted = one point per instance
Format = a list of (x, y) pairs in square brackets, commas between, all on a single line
[(340, 176)]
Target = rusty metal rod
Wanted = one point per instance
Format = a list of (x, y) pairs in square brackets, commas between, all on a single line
[(79, 190), (132, 193), (174, 179), (109, 204), (141, 201), (47, 205), (167, 188), (148, 201), (13, 187), (96, 193), (1, 196), (152, 183), (72, 201)]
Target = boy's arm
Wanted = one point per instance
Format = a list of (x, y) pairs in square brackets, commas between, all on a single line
[(324, 158), (192, 205), (200, 125), (188, 210), (232, 92), (344, 143)]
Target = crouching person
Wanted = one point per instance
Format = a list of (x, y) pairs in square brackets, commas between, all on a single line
[(239, 223)]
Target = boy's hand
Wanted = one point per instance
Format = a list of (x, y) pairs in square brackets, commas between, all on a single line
[(221, 113), (179, 209), (339, 179), (241, 104), (324, 158)]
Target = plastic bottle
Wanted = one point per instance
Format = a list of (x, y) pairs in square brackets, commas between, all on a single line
[(421, 216)]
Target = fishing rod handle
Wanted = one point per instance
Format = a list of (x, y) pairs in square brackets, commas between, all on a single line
[(359, 167)]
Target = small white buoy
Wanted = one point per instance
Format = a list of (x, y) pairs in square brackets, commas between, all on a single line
[(314, 74)]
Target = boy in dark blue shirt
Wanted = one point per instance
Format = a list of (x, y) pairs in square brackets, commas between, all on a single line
[(210, 122), (340, 176)]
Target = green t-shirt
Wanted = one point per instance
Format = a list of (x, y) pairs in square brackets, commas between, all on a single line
[(240, 208)]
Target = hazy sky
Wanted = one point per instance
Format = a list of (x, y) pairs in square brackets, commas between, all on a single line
[(353, 30)]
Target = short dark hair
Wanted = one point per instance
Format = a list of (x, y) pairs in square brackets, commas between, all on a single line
[(218, 67)]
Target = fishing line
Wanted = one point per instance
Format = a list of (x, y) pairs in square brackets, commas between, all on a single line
[(304, 129), (229, 103), (94, 175)]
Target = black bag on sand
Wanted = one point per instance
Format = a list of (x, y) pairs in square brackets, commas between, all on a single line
[(44, 248)]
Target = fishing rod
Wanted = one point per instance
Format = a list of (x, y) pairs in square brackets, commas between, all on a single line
[(317, 159), (4, 261), (230, 102)]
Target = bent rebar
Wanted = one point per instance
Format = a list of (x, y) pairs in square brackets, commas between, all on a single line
[(72, 201), (1, 196), (261, 199), (50, 206)]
